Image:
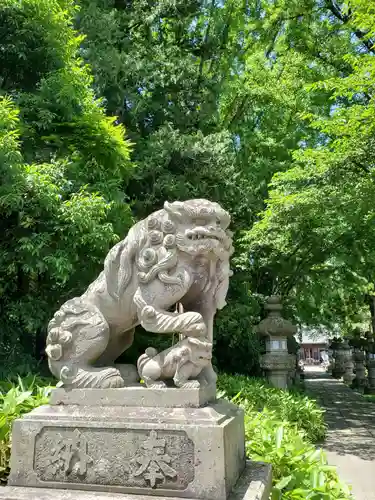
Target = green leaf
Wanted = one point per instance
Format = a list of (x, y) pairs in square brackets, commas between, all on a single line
[(279, 436), (283, 483)]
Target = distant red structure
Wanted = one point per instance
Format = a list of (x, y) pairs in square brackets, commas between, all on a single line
[(313, 348)]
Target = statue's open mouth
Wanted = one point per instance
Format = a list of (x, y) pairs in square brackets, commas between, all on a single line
[(202, 234)]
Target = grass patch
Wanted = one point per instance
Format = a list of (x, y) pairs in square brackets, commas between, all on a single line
[(293, 406)]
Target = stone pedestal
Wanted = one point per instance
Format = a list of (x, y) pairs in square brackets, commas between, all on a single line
[(130, 443), (348, 376), (254, 484)]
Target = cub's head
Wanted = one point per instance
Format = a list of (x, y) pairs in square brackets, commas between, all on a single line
[(200, 351)]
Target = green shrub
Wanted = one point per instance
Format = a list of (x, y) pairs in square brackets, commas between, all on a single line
[(300, 471), (64, 166), (291, 406), (15, 400)]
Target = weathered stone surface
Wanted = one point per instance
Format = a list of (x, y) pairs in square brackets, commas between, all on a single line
[(343, 361), (136, 396), (254, 484), (130, 458), (143, 450), (178, 255), (277, 361)]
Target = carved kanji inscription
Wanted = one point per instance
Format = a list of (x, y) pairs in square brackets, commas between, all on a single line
[(69, 453), (119, 457), (154, 462)]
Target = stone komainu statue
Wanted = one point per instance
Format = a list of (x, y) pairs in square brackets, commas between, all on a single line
[(176, 255)]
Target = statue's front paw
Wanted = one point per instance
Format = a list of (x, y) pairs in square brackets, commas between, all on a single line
[(190, 384), (113, 382)]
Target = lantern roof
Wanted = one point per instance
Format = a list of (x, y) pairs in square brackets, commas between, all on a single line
[(274, 325)]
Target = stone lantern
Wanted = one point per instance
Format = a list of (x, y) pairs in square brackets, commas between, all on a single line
[(277, 362), (358, 343), (359, 358), (339, 357), (370, 389), (346, 353)]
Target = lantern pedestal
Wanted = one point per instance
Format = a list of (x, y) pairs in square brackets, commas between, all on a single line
[(278, 366)]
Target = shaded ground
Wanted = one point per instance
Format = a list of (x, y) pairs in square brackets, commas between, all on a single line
[(350, 442)]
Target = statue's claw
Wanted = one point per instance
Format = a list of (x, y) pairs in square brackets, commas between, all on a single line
[(97, 378)]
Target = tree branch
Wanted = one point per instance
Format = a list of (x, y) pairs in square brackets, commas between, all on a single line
[(345, 19), (224, 39), (204, 44)]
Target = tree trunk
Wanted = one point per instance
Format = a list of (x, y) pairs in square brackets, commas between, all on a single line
[(371, 302)]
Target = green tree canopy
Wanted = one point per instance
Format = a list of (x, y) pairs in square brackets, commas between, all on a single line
[(63, 164), (317, 232)]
